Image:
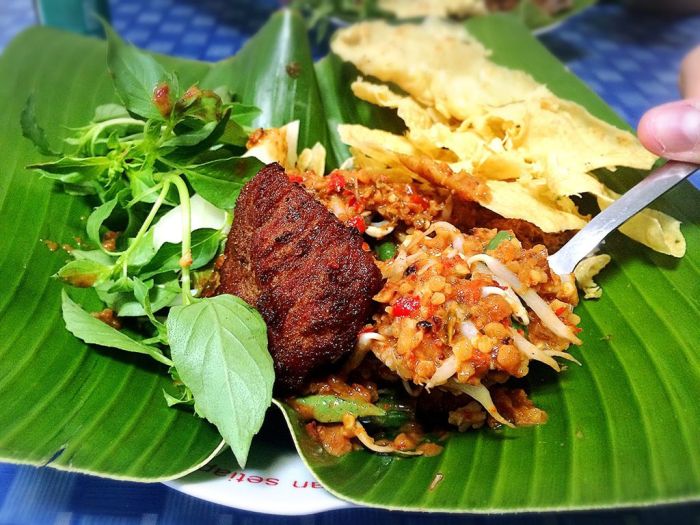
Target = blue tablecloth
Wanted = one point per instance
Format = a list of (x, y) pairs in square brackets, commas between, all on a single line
[(630, 59)]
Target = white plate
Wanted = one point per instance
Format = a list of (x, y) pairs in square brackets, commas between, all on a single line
[(275, 480)]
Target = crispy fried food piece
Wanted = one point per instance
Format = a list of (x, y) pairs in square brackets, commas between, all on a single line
[(468, 215), (306, 273), (467, 187)]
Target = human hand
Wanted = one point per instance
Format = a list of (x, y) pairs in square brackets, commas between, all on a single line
[(673, 130)]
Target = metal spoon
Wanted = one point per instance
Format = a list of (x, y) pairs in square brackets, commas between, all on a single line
[(633, 201)]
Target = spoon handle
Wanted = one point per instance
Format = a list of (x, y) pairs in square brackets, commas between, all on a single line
[(658, 182)]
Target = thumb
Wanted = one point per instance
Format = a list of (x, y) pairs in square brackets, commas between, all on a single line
[(673, 130)]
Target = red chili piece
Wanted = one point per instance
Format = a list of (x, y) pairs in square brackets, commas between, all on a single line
[(406, 306), (358, 223), (420, 201), (336, 182), (296, 178)]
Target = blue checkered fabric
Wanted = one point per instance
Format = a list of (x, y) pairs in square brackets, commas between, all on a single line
[(31, 496), (629, 59), (205, 30), (15, 15)]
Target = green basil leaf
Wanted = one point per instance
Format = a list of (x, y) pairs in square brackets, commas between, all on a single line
[(84, 273), (93, 331), (141, 183), (97, 218), (73, 169), (204, 246), (32, 130), (185, 394), (123, 284), (219, 347), (109, 112), (162, 295), (152, 132), (141, 289), (142, 295), (183, 154), (136, 75), (498, 239), (79, 189), (192, 137), (143, 253), (125, 304), (331, 409), (220, 181), (234, 134), (184, 399), (97, 256), (244, 114)]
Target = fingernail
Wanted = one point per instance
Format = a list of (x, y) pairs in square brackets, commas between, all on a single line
[(676, 127)]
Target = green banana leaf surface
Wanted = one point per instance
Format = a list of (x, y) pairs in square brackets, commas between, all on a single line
[(623, 427)]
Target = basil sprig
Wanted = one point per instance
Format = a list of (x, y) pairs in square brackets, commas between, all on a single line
[(139, 160)]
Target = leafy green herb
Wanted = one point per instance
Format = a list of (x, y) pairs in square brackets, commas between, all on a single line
[(139, 159), (97, 218), (75, 170), (143, 85), (219, 347), (162, 292), (142, 252), (93, 331), (97, 256), (220, 181), (331, 409), (244, 114), (109, 112), (204, 246), (498, 239), (84, 273), (519, 327), (186, 398), (185, 394)]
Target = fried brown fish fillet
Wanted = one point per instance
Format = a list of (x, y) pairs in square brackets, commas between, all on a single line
[(305, 271)]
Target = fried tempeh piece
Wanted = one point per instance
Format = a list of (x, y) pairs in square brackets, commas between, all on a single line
[(306, 273)]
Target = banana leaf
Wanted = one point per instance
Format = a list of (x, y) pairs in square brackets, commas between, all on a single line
[(623, 427)]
